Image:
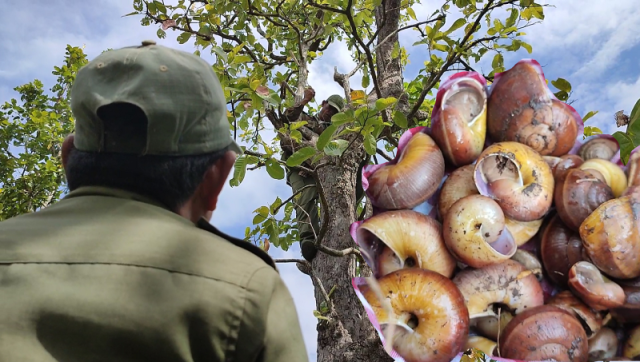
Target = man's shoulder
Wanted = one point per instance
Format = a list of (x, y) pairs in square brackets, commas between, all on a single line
[(96, 229)]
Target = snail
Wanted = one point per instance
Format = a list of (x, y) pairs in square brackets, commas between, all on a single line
[(604, 345), (460, 183), (428, 310), (521, 108), (483, 344), (474, 232), (530, 261), (631, 348), (590, 320), (409, 180), (578, 194), (459, 118), (560, 248), (508, 283), (600, 146), (611, 237), (596, 290), (613, 175), (544, 332), (399, 239), (518, 178)]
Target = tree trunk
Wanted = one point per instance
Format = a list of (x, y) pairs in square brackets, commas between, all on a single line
[(349, 335)]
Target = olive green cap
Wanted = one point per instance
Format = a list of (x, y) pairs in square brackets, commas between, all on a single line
[(178, 92), (336, 102)]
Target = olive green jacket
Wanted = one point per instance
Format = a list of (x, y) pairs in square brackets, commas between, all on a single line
[(105, 275)]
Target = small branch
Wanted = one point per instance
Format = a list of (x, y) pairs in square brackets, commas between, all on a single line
[(289, 260), (338, 253), (275, 211), (381, 153), (262, 155)]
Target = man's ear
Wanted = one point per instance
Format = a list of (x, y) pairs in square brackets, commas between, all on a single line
[(67, 145), (215, 178)]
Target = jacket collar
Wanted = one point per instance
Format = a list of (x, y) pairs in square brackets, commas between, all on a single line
[(201, 224)]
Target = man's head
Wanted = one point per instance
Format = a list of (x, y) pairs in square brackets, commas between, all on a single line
[(151, 120), (330, 107)]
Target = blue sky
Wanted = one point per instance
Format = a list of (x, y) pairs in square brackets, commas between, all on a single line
[(592, 43)]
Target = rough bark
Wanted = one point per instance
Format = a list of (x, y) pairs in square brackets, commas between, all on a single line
[(349, 336)]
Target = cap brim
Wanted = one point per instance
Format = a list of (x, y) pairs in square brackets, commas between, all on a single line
[(233, 146), (335, 106)]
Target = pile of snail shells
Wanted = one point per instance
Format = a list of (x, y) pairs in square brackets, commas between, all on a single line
[(500, 228)]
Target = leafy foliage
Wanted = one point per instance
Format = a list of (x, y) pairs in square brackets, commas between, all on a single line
[(629, 139), (31, 132)]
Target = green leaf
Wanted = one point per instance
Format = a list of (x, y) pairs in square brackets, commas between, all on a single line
[(589, 115), (220, 53), (239, 171), (590, 131), (258, 219), (325, 137), (340, 119), (511, 21), (400, 119), (184, 37), (370, 144), (526, 46), (498, 61), (336, 147), (274, 169), (365, 81), (273, 232), (456, 25), (412, 14), (562, 84), (562, 95), (635, 113), (296, 135), (297, 125), (626, 145), (240, 59), (300, 156), (384, 103)]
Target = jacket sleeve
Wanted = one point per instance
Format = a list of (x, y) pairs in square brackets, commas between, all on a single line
[(281, 333)]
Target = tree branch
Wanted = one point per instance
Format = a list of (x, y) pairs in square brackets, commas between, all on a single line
[(275, 210), (289, 260)]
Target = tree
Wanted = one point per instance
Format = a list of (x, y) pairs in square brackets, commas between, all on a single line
[(262, 48), (31, 135)]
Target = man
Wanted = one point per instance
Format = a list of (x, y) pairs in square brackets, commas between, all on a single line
[(125, 267), (307, 215)]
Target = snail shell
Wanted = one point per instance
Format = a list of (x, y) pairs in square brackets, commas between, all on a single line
[(459, 119), (560, 248), (611, 237), (400, 239), (409, 181), (518, 178), (542, 333), (521, 109), (599, 147), (578, 194), (428, 310)]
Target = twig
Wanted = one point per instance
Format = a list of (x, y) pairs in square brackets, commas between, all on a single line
[(275, 210), (289, 260), (381, 153), (338, 253)]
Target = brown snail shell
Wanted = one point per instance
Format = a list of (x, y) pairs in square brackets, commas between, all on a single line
[(518, 178), (475, 232), (400, 239), (599, 147), (578, 194), (611, 237), (631, 347), (508, 283), (604, 345), (460, 184), (596, 290), (560, 248), (591, 321), (520, 109), (412, 180), (544, 332), (428, 310), (566, 163)]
